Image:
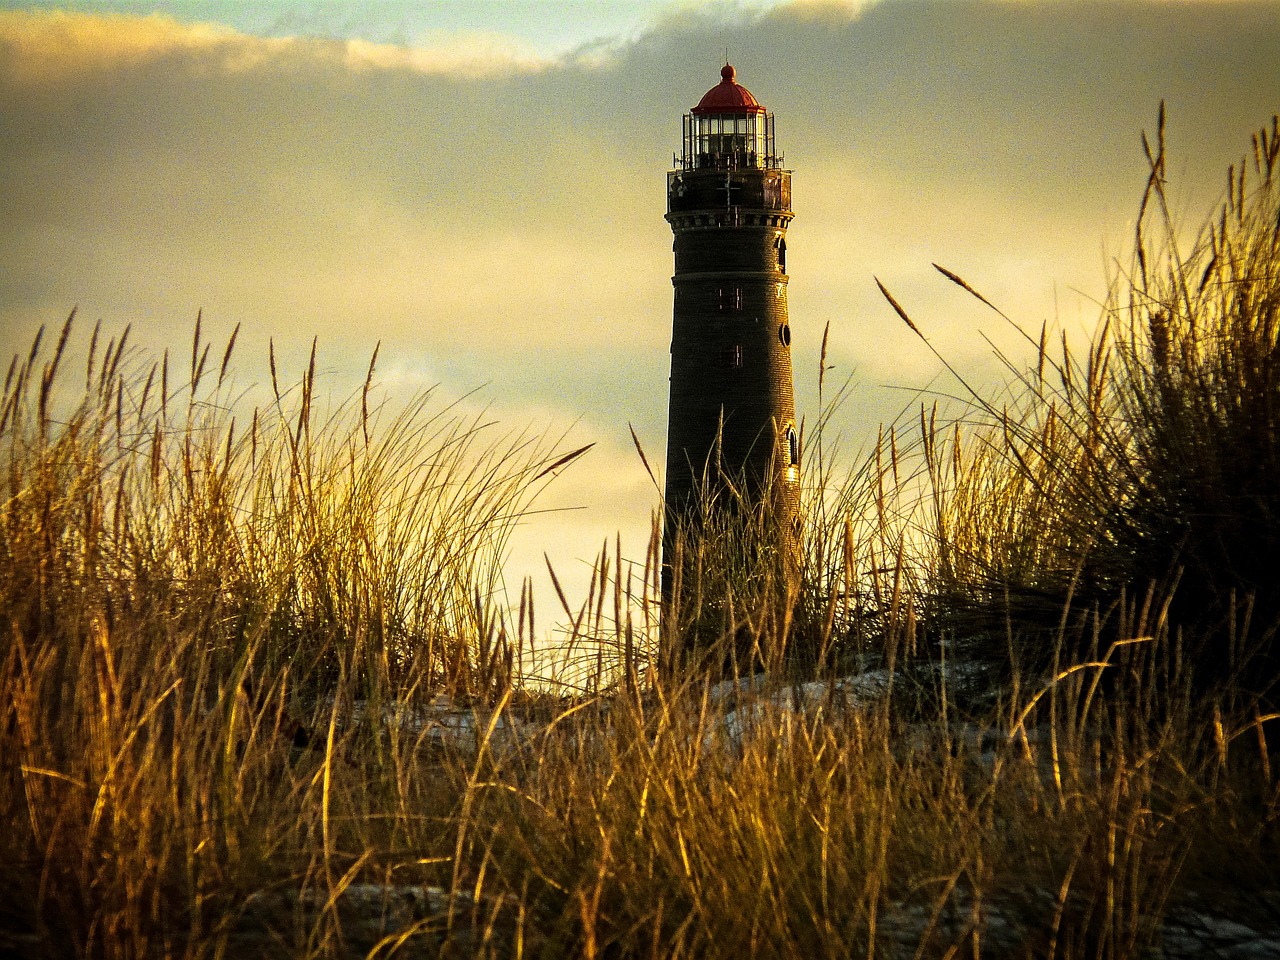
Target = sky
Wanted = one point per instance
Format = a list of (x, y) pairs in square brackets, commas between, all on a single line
[(479, 186)]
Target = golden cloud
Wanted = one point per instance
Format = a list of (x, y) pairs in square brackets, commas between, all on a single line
[(468, 54), (40, 48), (44, 47)]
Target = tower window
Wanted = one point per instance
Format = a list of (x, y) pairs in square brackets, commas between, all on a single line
[(730, 298), (793, 447), (731, 357), (781, 244), (784, 334)]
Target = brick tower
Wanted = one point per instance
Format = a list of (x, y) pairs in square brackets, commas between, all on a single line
[(732, 410)]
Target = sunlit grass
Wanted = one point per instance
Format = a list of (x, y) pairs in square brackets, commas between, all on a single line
[(1148, 457), (262, 692)]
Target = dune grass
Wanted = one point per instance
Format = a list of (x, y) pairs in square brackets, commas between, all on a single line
[(1148, 457), (261, 693)]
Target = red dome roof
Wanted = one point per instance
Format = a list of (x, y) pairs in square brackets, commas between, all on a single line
[(728, 96)]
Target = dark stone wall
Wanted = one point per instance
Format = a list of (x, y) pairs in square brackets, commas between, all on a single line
[(730, 348)]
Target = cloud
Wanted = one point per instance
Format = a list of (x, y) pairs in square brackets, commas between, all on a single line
[(53, 47), (467, 53), (827, 9), (48, 47)]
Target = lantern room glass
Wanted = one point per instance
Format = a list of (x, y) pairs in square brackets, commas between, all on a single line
[(728, 141)]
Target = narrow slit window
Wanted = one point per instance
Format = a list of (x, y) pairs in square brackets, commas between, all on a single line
[(730, 298)]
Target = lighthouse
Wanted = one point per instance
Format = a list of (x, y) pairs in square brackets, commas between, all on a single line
[(732, 438)]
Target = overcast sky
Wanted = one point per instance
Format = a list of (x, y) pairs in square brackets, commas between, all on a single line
[(480, 185)]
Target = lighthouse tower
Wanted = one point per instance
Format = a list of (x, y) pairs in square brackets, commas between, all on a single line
[(731, 433)]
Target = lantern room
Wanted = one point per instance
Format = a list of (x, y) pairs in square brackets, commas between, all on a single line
[(728, 130)]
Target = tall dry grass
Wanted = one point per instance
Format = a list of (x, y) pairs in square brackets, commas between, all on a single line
[(1146, 458), (260, 696), (1064, 823), (191, 599)]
